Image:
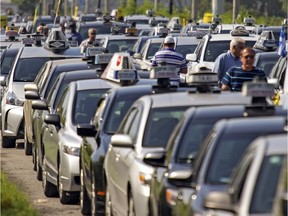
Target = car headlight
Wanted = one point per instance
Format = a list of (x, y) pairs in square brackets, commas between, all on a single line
[(75, 151), (13, 100)]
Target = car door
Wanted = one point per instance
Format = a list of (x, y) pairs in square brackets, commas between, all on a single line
[(50, 136), (123, 157)]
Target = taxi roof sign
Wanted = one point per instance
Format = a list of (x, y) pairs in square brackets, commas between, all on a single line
[(103, 58), (258, 89), (73, 43), (203, 78), (28, 41), (93, 51), (131, 31), (239, 31), (126, 74), (166, 71)]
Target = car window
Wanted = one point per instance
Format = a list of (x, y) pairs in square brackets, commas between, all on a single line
[(193, 137), (186, 49), (266, 185), (152, 49), (62, 106), (7, 62), (227, 152), (160, 125), (133, 130), (85, 105)]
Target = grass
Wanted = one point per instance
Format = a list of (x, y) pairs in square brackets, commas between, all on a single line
[(13, 201)]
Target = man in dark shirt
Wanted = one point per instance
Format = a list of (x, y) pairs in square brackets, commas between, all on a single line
[(236, 76)]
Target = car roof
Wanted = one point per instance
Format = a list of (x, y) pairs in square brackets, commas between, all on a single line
[(78, 73), (190, 99), (253, 124), (228, 37), (92, 84), (32, 52), (179, 40)]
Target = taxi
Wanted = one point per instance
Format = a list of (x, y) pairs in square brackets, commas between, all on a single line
[(255, 181), (145, 129), (182, 150), (212, 45), (25, 68)]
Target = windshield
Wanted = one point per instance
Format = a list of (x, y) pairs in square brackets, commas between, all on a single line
[(160, 125), (27, 69), (120, 45), (227, 152), (7, 61), (85, 105), (153, 48), (194, 135), (100, 29), (215, 48), (266, 185), (186, 49)]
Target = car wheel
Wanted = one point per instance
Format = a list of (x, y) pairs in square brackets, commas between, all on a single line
[(131, 208), (27, 145), (85, 202), (7, 142), (108, 204), (38, 168), (64, 196), (50, 190)]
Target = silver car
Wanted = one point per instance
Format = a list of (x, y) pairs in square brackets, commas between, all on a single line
[(143, 132), (60, 168)]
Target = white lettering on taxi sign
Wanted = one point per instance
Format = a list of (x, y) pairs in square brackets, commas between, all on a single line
[(73, 43), (163, 72), (92, 51), (57, 44), (262, 89), (201, 78), (103, 58), (11, 33), (126, 74), (28, 41)]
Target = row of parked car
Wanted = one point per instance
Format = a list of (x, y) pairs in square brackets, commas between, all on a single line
[(122, 144)]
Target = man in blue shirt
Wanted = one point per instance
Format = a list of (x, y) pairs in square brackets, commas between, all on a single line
[(72, 34), (169, 56), (236, 76), (229, 59)]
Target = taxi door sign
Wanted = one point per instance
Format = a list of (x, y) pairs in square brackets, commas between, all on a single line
[(207, 18), (4, 21)]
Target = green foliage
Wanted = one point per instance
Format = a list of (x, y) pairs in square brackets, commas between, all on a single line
[(27, 6), (141, 9), (130, 8), (13, 201)]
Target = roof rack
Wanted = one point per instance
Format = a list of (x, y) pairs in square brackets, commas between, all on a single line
[(204, 82), (266, 42)]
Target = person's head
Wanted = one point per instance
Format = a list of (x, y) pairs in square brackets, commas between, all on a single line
[(236, 45), (169, 42), (40, 28), (92, 33), (247, 57)]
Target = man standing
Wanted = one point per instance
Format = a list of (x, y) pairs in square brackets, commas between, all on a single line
[(229, 59), (91, 40), (236, 76), (71, 33), (169, 56)]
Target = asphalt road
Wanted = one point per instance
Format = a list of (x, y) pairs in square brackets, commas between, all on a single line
[(19, 169)]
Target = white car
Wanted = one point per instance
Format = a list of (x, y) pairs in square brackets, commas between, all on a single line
[(24, 70), (211, 46)]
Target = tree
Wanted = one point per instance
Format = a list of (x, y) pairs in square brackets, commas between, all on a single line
[(27, 6)]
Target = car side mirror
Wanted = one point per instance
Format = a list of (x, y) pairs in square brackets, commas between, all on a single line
[(3, 81), (32, 95), (191, 57), (39, 105), (137, 56), (52, 119), (155, 159), (86, 130)]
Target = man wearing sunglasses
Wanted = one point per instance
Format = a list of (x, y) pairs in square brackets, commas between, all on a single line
[(229, 59), (236, 76), (91, 40)]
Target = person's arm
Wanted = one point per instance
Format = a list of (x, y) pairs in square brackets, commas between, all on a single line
[(225, 87)]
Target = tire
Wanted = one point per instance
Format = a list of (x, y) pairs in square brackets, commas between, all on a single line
[(8, 142), (50, 190), (108, 204), (38, 169), (64, 196), (27, 145), (85, 202), (131, 207)]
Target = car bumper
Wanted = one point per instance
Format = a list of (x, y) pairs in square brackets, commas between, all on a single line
[(70, 174)]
